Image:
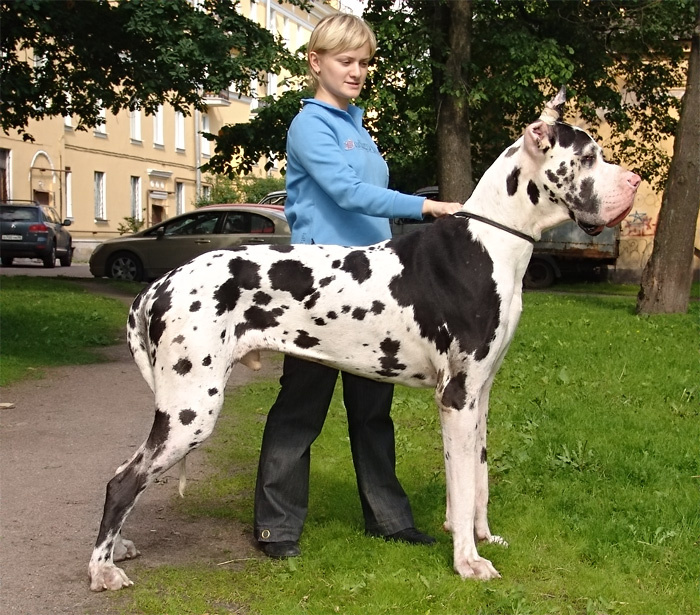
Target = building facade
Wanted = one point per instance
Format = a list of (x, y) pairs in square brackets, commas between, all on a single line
[(133, 165)]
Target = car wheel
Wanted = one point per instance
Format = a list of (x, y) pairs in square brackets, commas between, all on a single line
[(50, 260), (7, 261), (125, 266), (539, 274), (67, 258)]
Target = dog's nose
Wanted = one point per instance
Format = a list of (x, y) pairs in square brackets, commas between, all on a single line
[(634, 179)]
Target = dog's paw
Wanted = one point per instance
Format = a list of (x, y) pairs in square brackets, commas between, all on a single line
[(494, 539), (477, 568), (125, 549), (108, 577)]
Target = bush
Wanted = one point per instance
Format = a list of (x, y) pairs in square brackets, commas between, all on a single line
[(246, 189)]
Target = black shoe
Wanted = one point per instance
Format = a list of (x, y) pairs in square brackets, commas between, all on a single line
[(280, 550), (412, 536)]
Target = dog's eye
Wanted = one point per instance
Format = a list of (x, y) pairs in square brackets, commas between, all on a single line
[(588, 160)]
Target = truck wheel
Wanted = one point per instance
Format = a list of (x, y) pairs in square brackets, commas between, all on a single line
[(539, 274)]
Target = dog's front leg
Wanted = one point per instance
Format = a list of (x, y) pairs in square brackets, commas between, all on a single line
[(459, 434)]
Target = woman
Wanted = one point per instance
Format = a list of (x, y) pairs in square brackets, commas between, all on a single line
[(336, 194)]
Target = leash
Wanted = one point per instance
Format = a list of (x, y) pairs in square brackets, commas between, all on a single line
[(466, 214)]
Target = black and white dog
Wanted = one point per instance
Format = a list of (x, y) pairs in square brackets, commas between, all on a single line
[(437, 308)]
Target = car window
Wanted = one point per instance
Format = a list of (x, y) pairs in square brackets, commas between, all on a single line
[(19, 214), (246, 222), (202, 223), (49, 215)]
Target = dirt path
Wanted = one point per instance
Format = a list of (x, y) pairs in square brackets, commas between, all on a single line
[(59, 446)]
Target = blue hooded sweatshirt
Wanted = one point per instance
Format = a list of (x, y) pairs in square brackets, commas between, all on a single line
[(337, 180)]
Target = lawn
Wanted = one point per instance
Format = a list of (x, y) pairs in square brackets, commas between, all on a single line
[(593, 449), (594, 471)]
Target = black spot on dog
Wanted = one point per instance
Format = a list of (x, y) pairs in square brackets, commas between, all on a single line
[(359, 314), (377, 307), (179, 339), (187, 416), (331, 315), (512, 181), (447, 277), (511, 151), (245, 274), (261, 298), (483, 457), (455, 393), (533, 192), (326, 281), (281, 248), (206, 361), (182, 367), (345, 309), (389, 362), (159, 432), (162, 302), (311, 301), (587, 200), (357, 265), (213, 391), (293, 277), (335, 264), (304, 340), (320, 322), (195, 306), (257, 318)]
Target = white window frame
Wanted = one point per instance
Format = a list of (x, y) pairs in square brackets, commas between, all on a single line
[(206, 144), (179, 198), (101, 129), (69, 193), (100, 196), (158, 137), (135, 125), (135, 191), (179, 131)]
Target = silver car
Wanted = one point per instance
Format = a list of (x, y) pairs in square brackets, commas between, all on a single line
[(148, 254)]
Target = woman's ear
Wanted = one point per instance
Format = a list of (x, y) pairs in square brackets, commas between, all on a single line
[(314, 62)]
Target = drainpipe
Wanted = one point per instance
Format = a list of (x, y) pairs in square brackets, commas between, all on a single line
[(197, 154)]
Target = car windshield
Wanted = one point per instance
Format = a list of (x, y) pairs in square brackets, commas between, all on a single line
[(18, 214)]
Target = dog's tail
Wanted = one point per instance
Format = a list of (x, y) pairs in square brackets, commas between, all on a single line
[(182, 467)]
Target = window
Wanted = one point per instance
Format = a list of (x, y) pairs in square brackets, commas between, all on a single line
[(206, 144), (206, 193), (202, 223), (101, 128), (135, 125), (158, 127), (136, 211), (69, 193), (245, 222), (179, 198), (100, 205), (179, 131)]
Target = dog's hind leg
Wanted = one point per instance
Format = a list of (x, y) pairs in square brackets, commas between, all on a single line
[(174, 434)]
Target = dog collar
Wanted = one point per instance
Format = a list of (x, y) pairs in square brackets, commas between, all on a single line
[(466, 214)]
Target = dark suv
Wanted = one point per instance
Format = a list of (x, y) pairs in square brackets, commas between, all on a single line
[(31, 230)]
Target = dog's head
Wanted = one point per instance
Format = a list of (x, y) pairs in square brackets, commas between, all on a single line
[(572, 172)]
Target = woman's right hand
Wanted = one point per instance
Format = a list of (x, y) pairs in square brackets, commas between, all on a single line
[(438, 209)]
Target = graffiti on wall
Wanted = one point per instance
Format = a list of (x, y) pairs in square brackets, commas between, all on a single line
[(637, 239), (638, 224)]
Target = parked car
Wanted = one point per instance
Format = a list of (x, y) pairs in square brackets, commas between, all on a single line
[(276, 197), (148, 254), (31, 230)]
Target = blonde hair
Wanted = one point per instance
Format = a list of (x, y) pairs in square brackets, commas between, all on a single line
[(336, 33)]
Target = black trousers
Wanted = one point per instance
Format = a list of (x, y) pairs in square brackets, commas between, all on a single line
[(295, 421)]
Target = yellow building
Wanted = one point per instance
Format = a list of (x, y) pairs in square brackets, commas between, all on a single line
[(136, 165)]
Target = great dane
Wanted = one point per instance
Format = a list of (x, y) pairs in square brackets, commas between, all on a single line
[(437, 308)]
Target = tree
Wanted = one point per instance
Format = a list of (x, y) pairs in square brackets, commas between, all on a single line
[(438, 70), (85, 56), (667, 275)]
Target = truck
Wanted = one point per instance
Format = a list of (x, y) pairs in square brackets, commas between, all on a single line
[(562, 250)]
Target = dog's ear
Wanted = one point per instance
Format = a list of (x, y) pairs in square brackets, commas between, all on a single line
[(538, 137)]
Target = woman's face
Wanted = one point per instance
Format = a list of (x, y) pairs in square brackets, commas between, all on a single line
[(340, 74)]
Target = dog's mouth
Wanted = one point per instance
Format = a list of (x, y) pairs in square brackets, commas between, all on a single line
[(593, 229)]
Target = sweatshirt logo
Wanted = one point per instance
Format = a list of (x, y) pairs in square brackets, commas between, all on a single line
[(349, 144)]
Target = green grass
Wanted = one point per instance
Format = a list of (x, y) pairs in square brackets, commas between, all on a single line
[(594, 481), (49, 322)]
